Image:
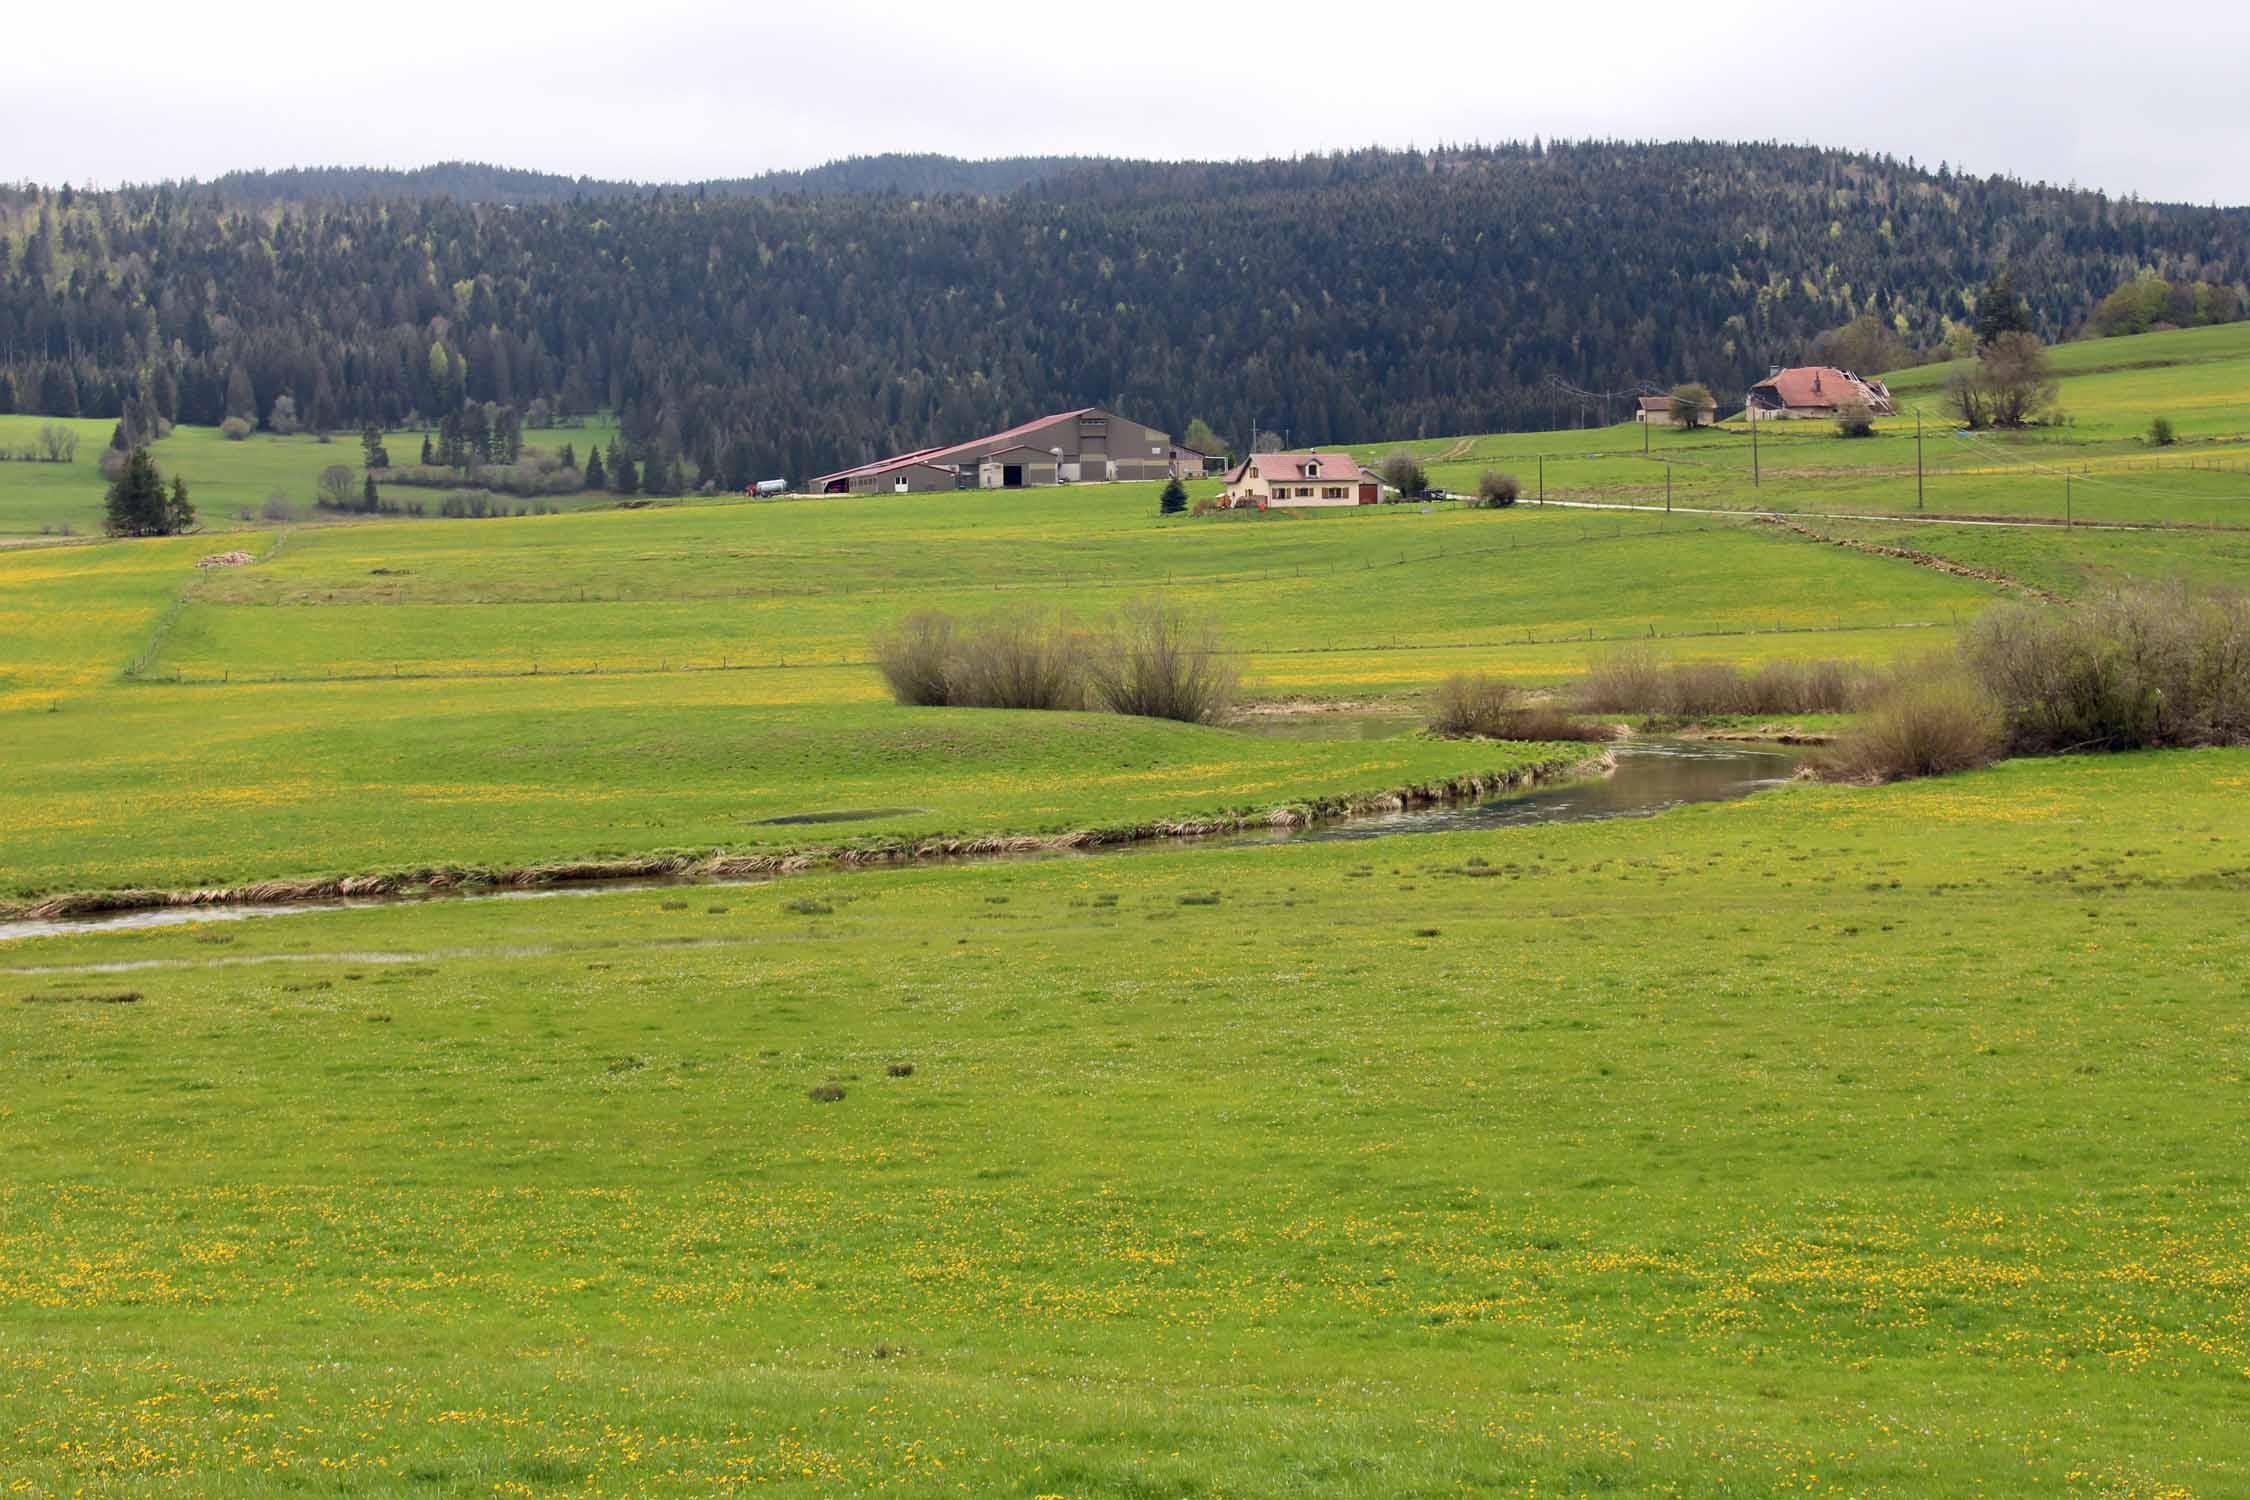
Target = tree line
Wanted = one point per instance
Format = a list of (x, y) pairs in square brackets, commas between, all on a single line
[(1351, 297)]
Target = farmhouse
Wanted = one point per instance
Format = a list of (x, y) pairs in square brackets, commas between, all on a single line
[(1269, 480), (1086, 446), (1814, 391), (1656, 411)]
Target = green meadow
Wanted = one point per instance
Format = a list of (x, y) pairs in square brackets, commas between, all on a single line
[(1838, 1142), (224, 478), (1848, 1141)]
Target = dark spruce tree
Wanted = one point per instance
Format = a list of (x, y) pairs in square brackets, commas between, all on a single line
[(622, 479), (2000, 311), (595, 478), (1174, 499), (138, 504)]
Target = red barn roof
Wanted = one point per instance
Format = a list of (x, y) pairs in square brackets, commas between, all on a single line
[(1823, 388)]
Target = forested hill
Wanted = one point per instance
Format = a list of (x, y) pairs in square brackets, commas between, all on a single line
[(922, 175), (1339, 298)]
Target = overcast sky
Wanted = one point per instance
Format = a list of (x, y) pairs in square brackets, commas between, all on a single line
[(2109, 96)]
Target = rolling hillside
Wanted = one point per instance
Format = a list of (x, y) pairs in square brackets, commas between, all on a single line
[(1469, 290)]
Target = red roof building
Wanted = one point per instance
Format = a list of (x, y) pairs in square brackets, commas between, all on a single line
[(1816, 391)]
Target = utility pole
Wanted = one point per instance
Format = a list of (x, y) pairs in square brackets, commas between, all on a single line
[(1918, 458), (1542, 479), (1667, 486), (2066, 499), (1753, 416), (1644, 434)]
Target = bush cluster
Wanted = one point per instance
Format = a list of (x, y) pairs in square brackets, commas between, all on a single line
[(2131, 669), (1637, 681), (2137, 668), (1477, 705), (535, 472), (1151, 660)]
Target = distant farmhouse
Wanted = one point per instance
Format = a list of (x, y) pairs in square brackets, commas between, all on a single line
[(1269, 480), (1811, 391), (1086, 446), (1656, 411)]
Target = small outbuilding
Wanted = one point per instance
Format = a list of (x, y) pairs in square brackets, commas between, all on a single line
[(1656, 411)]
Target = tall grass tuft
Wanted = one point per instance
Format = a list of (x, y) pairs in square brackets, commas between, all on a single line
[(1157, 662)]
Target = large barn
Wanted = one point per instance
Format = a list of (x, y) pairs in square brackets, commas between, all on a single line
[(1086, 446)]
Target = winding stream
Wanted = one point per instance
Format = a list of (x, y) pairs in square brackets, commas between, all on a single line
[(1651, 775)]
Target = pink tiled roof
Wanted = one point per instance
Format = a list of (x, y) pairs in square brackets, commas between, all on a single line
[(1289, 468)]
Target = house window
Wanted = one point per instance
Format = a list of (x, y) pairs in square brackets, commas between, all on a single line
[(1334, 492)]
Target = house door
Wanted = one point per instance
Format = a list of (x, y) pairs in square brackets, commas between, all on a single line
[(1011, 476), (1367, 494)]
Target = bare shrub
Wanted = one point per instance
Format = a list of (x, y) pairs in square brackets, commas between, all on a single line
[(915, 658), (1470, 704), (1156, 662), (1635, 680), (235, 429), (1932, 723), (1496, 490), (1018, 660), (1623, 681), (338, 489), (1477, 705), (58, 444), (277, 508)]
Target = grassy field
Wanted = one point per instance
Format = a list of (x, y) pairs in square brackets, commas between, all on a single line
[(1841, 1142), (224, 478), (386, 697)]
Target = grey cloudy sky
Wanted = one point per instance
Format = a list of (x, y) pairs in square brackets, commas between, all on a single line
[(2106, 96)]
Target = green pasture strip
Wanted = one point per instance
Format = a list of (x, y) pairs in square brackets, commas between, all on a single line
[(224, 477), (1871, 1142), (767, 586), (177, 789)]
